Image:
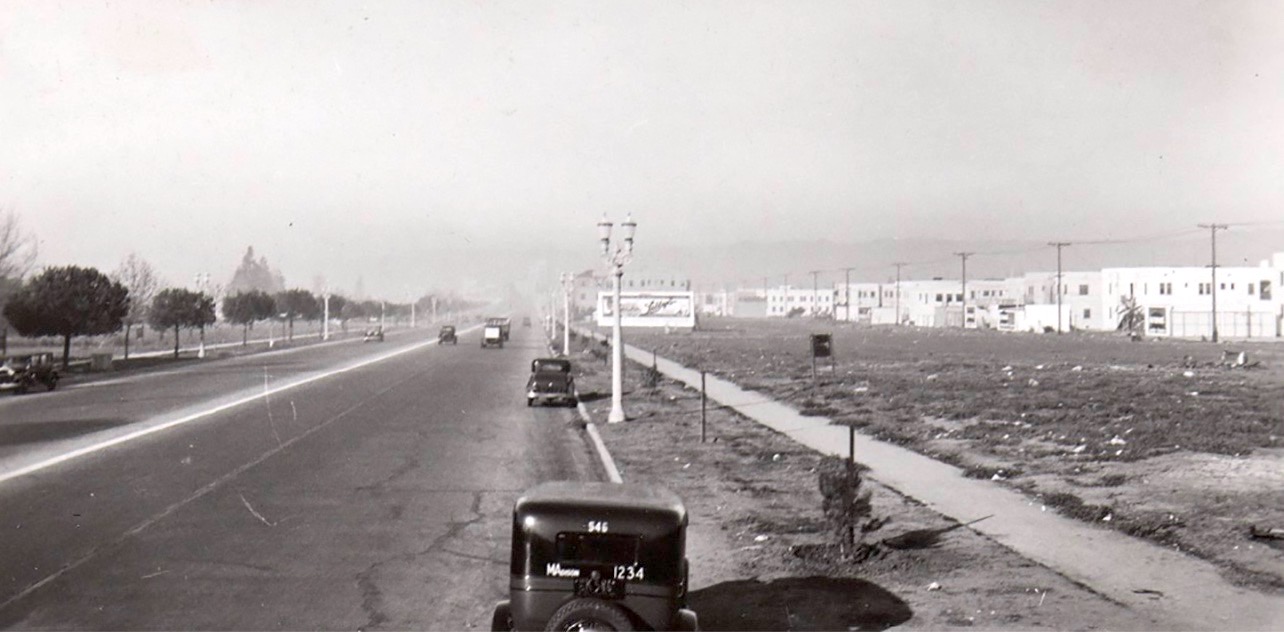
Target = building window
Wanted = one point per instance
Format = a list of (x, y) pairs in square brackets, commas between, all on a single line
[(1083, 290), (1165, 288), (938, 298), (1205, 289), (1250, 289), (1087, 313)]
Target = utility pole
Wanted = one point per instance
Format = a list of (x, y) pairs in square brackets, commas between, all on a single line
[(815, 291), (1059, 245), (898, 292), (964, 256), (847, 292), (1212, 230)]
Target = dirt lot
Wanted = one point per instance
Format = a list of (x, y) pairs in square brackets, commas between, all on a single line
[(1137, 436)]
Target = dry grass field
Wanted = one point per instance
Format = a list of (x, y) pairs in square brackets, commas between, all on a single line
[(1157, 439), (755, 505)]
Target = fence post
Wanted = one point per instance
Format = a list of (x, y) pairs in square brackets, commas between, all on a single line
[(703, 400), (851, 443)]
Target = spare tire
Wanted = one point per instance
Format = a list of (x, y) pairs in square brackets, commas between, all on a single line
[(589, 614)]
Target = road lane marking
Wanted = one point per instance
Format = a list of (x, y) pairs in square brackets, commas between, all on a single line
[(143, 432)]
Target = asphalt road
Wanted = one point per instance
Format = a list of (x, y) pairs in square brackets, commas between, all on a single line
[(262, 492)]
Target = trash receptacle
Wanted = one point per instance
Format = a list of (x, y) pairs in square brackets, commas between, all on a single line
[(100, 362)]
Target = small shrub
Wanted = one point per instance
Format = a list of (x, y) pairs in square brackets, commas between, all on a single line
[(847, 509)]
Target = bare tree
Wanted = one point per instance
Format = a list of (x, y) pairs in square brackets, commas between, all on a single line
[(17, 247), (140, 279)]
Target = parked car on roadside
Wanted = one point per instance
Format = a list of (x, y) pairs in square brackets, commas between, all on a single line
[(373, 335), (597, 556), (21, 373), (550, 381)]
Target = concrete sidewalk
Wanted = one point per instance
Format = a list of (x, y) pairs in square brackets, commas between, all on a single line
[(1180, 590)]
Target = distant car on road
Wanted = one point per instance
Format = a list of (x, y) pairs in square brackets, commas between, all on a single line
[(505, 325), (447, 334), (492, 336), (597, 556), (21, 373), (550, 381), (375, 335)]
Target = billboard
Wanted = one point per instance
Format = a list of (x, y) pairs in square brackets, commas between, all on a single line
[(648, 309)]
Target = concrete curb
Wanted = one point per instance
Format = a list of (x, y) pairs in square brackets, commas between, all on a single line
[(603, 454), (612, 471)]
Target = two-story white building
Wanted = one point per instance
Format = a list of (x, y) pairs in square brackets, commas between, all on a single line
[(785, 301), (1178, 302), (1081, 301)]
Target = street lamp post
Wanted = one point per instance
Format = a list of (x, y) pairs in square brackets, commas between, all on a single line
[(325, 317), (617, 259), (567, 281)]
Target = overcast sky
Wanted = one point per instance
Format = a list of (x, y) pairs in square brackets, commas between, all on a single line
[(338, 136)]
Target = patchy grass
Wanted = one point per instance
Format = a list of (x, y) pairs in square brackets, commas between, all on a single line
[(1059, 417)]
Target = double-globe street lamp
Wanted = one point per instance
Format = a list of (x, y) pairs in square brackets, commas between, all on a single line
[(617, 259)]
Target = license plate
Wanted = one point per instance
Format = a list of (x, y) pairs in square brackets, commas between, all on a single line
[(600, 588)]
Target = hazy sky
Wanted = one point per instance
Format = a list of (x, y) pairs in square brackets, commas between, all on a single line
[(336, 137)]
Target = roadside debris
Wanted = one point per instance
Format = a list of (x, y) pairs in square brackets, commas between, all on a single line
[(1265, 533)]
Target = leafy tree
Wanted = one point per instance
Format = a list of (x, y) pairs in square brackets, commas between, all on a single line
[(338, 303), (176, 308), (255, 274), (68, 301), (140, 279), (246, 308), (298, 303), (352, 310), (1131, 316)]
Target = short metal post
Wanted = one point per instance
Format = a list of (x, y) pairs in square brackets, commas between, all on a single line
[(653, 365), (703, 400)]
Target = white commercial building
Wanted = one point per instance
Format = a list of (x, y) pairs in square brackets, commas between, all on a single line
[(1082, 297), (1178, 302), (785, 301)]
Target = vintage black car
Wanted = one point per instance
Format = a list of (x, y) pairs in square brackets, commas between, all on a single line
[(504, 324), (550, 381), (597, 556), (22, 373), (373, 335), (447, 334)]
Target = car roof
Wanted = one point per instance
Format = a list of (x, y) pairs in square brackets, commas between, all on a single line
[(603, 495), (561, 365)]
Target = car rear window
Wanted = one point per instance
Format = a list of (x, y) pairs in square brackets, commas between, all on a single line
[(597, 548)]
